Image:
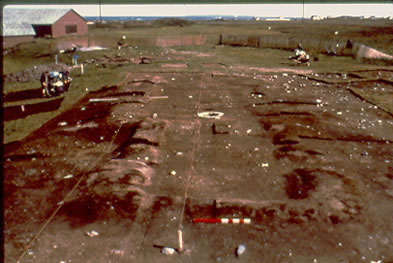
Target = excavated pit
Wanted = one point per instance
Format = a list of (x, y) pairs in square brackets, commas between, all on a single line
[(23, 95), (18, 112), (304, 162)]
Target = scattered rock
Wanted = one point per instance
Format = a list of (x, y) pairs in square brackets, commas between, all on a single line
[(92, 233), (63, 123), (219, 129), (240, 250), (211, 114), (117, 252), (168, 251), (389, 192), (31, 172)]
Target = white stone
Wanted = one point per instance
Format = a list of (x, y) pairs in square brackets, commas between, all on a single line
[(92, 234), (168, 251), (240, 250)]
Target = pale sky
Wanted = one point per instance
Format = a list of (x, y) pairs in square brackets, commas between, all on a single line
[(262, 10)]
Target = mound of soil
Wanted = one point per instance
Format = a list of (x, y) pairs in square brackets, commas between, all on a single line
[(34, 73)]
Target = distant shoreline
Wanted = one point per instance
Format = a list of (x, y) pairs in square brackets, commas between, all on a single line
[(220, 18)]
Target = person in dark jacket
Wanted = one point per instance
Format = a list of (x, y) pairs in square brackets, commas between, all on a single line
[(55, 83), (122, 42), (300, 55)]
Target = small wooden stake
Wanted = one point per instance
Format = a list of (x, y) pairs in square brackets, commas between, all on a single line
[(180, 236)]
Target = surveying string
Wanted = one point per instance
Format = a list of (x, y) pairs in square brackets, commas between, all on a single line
[(222, 220), (195, 146), (65, 199)]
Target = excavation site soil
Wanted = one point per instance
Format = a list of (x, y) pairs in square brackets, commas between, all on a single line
[(115, 178)]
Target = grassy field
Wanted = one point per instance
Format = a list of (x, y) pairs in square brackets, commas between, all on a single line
[(141, 37), (377, 34), (17, 129)]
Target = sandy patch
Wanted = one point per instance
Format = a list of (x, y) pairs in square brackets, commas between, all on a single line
[(174, 65), (273, 70)]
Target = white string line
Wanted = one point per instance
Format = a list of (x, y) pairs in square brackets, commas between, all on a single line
[(67, 196), (196, 146)]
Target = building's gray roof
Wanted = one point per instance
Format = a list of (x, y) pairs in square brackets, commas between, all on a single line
[(18, 21), (17, 29)]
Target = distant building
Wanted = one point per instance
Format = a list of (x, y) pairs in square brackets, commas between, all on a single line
[(369, 17), (316, 18), (23, 24), (278, 19)]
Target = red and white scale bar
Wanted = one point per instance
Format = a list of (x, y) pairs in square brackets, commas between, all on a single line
[(222, 220)]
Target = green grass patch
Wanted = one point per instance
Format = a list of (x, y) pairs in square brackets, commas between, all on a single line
[(29, 101), (27, 55), (142, 36), (178, 22), (94, 79), (16, 130), (20, 86)]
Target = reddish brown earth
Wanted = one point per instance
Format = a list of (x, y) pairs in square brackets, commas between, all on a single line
[(309, 162)]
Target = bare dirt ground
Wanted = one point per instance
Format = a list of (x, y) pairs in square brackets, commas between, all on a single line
[(115, 178)]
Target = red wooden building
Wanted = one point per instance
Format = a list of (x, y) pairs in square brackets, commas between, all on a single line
[(21, 24)]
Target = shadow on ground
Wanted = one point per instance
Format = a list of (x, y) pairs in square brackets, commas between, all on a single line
[(22, 111)]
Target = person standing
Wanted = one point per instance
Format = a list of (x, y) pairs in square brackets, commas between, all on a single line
[(122, 42)]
